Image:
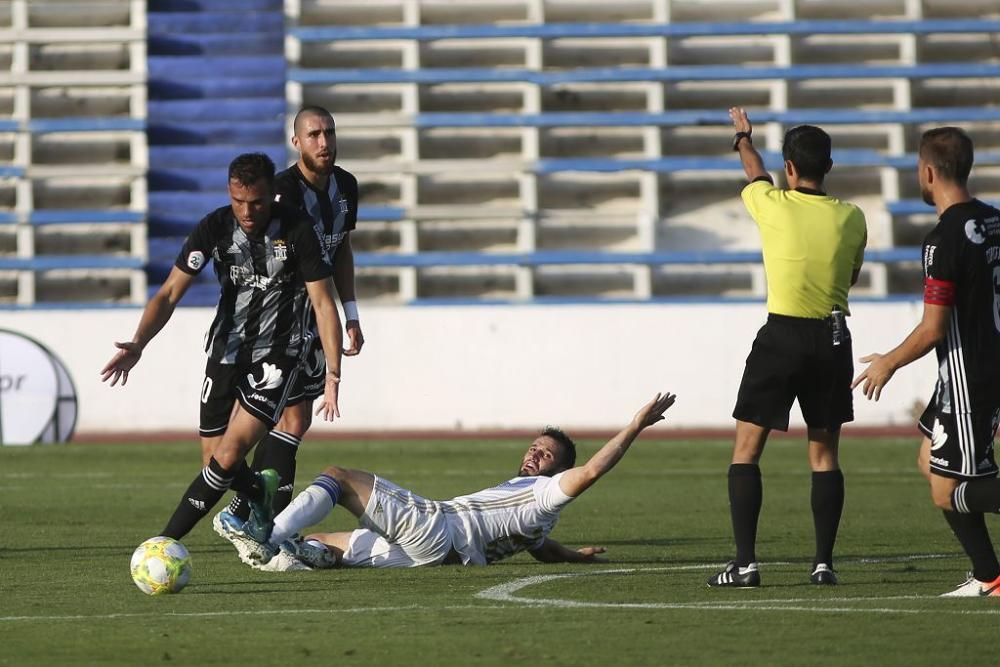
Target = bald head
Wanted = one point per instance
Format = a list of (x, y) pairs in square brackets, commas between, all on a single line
[(309, 112)]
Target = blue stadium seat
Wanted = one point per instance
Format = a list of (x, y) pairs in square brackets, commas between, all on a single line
[(708, 117), (633, 74), (563, 257), (679, 29), (56, 262)]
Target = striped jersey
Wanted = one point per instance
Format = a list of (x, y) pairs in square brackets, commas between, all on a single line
[(961, 257), (334, 212), (262, 304), (501, 521)]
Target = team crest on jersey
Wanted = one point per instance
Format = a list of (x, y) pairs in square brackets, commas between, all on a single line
[(270, 378), (938, 435), (195, 260), (975, 232), (280, 250), (343, 206)]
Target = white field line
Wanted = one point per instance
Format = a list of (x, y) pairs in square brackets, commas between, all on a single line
[(505, 593)]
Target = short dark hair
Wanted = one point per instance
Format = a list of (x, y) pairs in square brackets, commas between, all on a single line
[(311, 110), (249, 168), (949, 151), (808, 148), (566, 444)]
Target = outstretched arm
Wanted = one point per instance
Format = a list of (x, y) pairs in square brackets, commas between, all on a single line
[(552, 552), (753, 165), (932, 329), (577, 480), (155, 315)]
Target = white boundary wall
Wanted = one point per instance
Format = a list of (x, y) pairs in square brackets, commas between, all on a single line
[(480, 367)]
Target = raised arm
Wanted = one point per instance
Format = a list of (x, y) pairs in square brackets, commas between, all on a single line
[(155, 315), (331, 336), (753, 165), (577, 480)]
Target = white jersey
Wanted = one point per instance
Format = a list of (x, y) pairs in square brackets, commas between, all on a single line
[(503, 520)]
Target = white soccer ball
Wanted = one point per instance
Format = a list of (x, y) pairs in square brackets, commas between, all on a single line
[(161, 565)]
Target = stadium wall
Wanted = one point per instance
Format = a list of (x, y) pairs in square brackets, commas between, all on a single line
[(480, 367)]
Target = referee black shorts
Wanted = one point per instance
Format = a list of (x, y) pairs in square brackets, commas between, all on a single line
[(794, 357)]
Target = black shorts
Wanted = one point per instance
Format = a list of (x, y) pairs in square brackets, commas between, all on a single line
[(961, 443), (261, 387), (310, 383), (794, 357)]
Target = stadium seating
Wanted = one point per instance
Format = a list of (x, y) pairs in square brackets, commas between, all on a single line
[(506, 149), (216, 89), (72, 188), (525, 129)]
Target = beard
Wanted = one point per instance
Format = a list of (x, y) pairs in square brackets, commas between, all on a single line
[(317, 167), (927, 196)]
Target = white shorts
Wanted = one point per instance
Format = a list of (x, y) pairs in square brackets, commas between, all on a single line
[(399, 529)]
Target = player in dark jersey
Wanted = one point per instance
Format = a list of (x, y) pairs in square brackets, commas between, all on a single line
[(263, 254), (328, 194), (961, 322)]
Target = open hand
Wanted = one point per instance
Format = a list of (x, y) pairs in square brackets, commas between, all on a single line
[(741, 122), (876, 376), (653, 411), (125, 359), (328, 407), (591, 554)]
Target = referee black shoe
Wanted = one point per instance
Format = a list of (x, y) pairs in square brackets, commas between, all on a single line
[(823, 575), (736, 577)]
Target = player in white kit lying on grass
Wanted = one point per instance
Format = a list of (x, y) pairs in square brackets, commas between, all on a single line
[(402, 529)]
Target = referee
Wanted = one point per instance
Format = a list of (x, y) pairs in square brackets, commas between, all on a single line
[(813, 246)]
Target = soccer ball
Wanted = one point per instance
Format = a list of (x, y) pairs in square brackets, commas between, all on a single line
[(161, 565)]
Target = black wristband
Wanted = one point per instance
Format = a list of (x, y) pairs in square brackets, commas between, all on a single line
[(740, 135)]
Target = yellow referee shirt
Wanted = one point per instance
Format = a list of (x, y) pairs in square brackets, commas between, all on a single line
[(811, 243)]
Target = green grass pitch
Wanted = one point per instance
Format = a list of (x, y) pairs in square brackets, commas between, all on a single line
[(70, 517)]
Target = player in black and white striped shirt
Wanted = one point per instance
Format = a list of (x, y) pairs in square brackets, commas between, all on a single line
[(328, 195), (267, 259)]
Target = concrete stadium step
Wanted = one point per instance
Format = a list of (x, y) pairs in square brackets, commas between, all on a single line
[(213, 88), (234, 109), (167, 6), (236, 21), (210, 156), (184, 67), (216, 132), (247, 43)]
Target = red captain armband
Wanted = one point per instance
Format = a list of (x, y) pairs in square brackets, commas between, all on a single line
[(939, 292)]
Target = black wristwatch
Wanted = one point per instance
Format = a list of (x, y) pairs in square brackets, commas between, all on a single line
[(740, 135)]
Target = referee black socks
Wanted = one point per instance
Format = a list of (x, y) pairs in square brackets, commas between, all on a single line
[(746, 495), (827, 502)]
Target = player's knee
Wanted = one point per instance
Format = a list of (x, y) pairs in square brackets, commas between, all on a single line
[(295, 420), (338, 473), (941, 497)]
